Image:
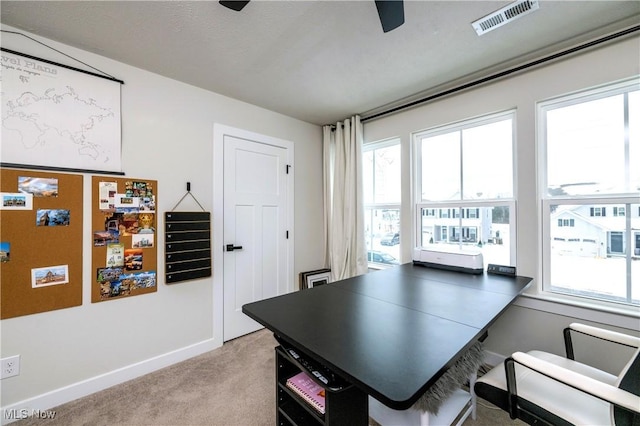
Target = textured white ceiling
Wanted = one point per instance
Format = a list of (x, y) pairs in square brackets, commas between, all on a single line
[(319, 61)]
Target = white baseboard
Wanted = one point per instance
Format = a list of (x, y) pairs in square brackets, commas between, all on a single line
[(39, 405)]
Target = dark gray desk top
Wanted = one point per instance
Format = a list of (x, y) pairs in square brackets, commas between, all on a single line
[(391, 333)]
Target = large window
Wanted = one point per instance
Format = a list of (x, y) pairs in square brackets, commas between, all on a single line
[(465, 187), (590, 187), (381, 184)]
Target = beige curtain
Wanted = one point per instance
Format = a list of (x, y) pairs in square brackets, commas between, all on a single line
[(346, 252)]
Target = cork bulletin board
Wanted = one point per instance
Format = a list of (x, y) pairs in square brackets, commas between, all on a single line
[(40, 242), (124, 249)]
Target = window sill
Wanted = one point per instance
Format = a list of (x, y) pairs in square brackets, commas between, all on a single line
[(378, 266), (622, 316)]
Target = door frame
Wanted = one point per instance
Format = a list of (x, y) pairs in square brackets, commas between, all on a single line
[(219, 132)]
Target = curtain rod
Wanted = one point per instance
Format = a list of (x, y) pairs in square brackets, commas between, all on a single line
[(501, 74)]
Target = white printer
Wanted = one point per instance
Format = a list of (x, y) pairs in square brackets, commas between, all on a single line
[(450, 257)]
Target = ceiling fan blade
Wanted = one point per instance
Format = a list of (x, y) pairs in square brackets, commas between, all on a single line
[(391, 13), (234, 4)]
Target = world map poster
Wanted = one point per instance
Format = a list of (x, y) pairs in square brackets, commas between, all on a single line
[(54, 116)]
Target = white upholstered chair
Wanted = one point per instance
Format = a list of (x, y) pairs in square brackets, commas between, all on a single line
[(542, 388)]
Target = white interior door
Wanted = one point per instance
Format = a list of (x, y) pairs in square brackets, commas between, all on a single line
[(256, 238)]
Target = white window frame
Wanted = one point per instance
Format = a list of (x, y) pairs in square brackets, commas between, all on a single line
[(462, 204), (602, 201), (372, 146)]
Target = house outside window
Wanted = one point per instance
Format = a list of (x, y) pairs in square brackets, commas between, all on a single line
[(465, 171), (598, 255), (381, 184)]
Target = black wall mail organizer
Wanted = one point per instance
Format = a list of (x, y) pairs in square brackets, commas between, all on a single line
[(187, 245)]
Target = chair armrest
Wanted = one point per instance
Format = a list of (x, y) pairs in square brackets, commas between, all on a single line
[(601, 333), (579, 382)]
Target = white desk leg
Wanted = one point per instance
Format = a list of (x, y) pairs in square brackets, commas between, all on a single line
[(424, 418), (472, 382)]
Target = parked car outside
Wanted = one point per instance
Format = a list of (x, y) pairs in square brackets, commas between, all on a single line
[(381, 257), (391, 239)]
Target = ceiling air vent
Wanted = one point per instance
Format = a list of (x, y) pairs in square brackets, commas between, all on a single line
[(504, 15)]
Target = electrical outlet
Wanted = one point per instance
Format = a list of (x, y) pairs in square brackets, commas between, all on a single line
[(10, 366)]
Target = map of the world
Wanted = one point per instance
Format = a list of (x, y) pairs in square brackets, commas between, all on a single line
[(53, 116)]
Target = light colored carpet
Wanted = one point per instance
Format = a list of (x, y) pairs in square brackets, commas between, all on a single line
[(230, 386)]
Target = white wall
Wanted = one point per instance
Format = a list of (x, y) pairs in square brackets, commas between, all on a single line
[(167, 135), (531, 323)]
